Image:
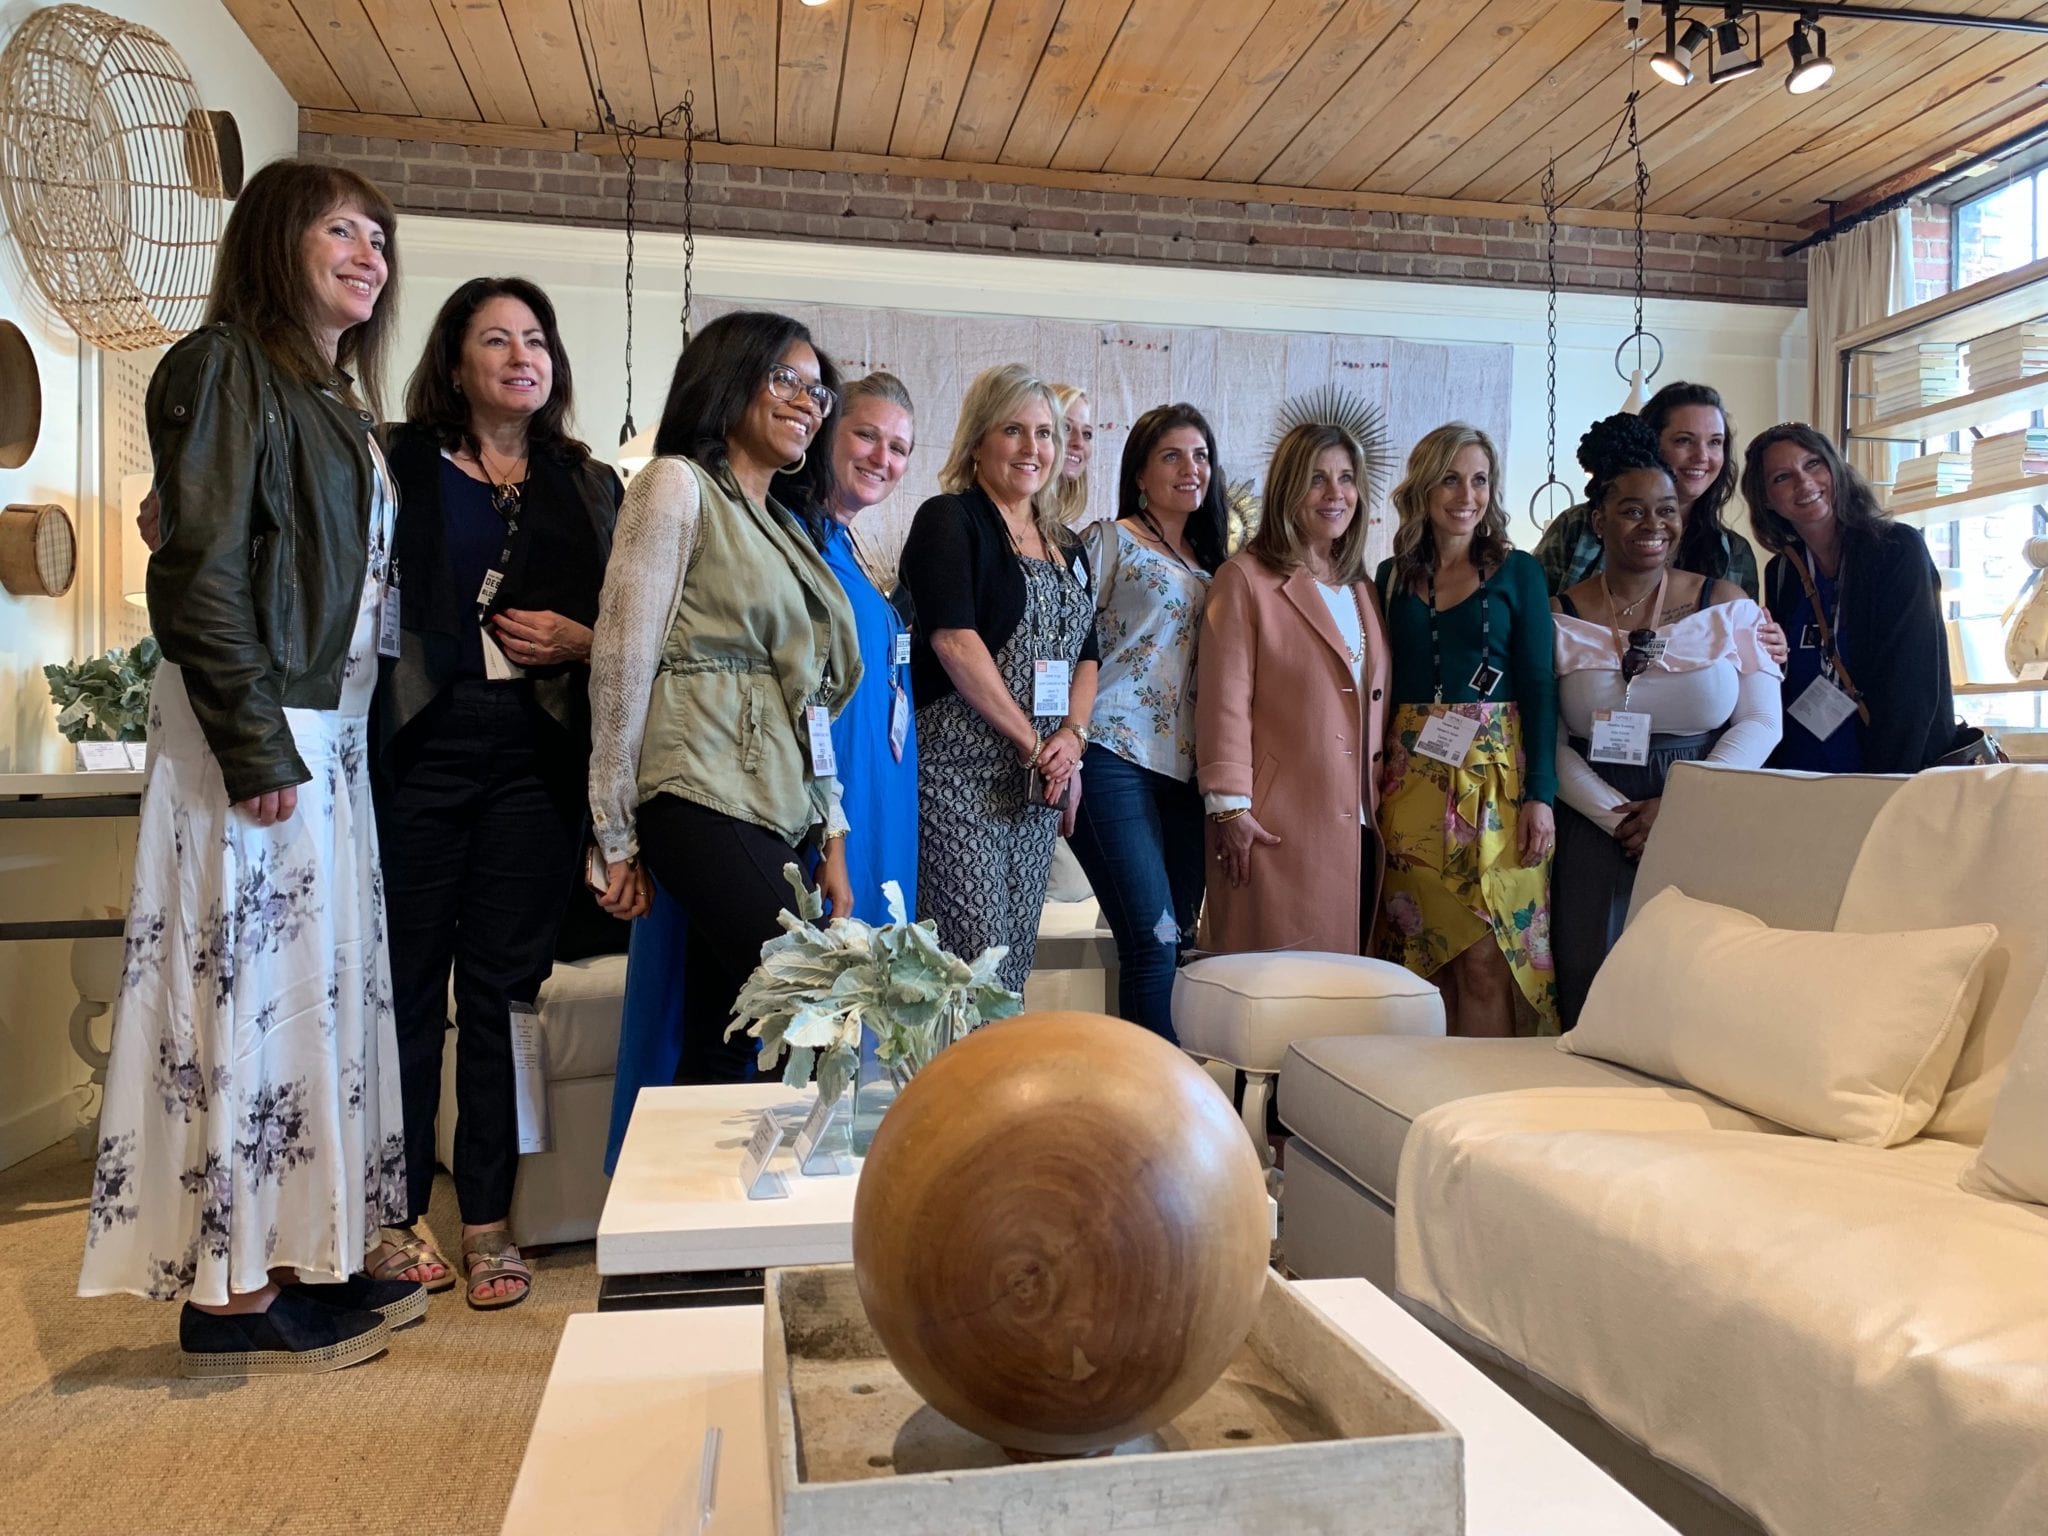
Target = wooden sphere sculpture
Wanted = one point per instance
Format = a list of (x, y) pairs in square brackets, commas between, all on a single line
[(1061, 1233)]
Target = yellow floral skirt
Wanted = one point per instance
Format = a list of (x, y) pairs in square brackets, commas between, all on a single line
[(1453, 871)]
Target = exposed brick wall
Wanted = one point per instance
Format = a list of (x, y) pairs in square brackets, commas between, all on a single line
[(586, 189), (1933, 228)]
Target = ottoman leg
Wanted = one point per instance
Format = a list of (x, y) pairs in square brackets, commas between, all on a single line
[(1258, 1090)]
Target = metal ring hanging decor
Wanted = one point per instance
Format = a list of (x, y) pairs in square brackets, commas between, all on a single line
[(111, 176), (1550, 349), (1638, 337)]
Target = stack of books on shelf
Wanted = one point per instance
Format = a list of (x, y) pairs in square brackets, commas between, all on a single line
[(2009, 456), (1930, 475), (1912, 377), (2010, 354)]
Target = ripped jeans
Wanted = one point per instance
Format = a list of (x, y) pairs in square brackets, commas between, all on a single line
[(1139, 840)]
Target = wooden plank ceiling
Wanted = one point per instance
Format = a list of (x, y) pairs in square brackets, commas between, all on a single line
[(1388, 103)]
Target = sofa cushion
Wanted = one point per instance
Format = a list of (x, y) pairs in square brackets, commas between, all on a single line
[(580, 1007), (1778, 845), (2013, 1163), (1245, 1010), (1833, 1337), (1847, 1035), (1351, 1097), (1965, 845)]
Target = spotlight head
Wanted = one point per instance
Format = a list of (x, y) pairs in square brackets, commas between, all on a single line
[(1675, 62), (1811, 66), (1736, 50)]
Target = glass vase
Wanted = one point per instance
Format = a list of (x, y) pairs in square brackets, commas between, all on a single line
[(875, 1087)]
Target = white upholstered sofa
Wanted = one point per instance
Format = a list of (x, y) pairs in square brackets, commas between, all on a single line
[(1756, 1329)]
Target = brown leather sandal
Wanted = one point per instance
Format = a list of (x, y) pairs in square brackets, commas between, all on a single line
[(409, 1250), (488, 1257)]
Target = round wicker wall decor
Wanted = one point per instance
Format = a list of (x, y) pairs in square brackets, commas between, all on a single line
[(111, 175)]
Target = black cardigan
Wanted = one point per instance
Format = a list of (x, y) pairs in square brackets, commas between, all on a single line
[(1892, 642), (557, 565), (962, 573)]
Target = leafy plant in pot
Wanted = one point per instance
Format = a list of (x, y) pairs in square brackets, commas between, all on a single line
[(863, 1004), (105, 698)]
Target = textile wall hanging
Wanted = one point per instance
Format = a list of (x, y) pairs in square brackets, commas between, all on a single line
[(1237, 378)]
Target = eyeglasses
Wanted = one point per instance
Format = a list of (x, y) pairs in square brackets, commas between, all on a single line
[(1642, 650), (789, 386)]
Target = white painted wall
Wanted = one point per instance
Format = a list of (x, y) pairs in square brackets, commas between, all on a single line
[(75, 869)]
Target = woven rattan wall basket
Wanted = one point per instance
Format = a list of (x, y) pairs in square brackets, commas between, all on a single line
[(111, 175)]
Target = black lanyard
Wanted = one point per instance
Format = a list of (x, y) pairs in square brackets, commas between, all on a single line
[(1152, 528), (1436, 643), (507, 502)]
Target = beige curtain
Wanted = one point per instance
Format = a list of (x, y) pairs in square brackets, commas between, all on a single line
[(1853, 280)]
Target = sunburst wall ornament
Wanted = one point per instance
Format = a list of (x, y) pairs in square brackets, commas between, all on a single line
[(1335, 406), (111, 175)]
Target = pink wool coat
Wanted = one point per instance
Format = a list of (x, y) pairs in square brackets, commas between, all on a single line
[(1279, 717)]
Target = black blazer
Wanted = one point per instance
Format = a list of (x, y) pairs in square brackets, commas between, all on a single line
[(1892, 642), (558, 560), (961, 573)]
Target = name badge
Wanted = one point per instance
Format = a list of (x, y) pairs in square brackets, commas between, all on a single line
[(899, 721), (498, 667), (1050, 685), (1620, 736), (824, 761), (903, 649), (1447, 738), (1822, 708), (387, 623)]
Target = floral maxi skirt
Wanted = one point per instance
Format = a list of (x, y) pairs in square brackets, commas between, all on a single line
[(1454, 875)]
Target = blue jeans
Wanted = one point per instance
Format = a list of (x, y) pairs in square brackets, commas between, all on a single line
[(1139, 839)]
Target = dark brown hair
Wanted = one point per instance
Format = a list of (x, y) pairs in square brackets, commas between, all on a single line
[(433, 400), (1702, 542), (1855, 503), (1206, 529), (260, 282)]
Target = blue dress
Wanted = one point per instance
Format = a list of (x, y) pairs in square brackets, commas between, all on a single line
[(880, 793)]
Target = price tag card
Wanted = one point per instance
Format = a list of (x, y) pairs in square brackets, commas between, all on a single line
[(1822, 708), (1050, 685), (138, 754), (903, 649), (759, 1183), (816, 1153), (899, 721), (1447, 738), (387, 623), (102, 756), (2034, 672), (818, 722), (529, 1080), (1620, 736)]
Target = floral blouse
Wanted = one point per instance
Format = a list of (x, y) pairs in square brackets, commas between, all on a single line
[(1148, 614)]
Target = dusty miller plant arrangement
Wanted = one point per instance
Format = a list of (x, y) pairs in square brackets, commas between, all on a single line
[(817, 985), (105, 698)]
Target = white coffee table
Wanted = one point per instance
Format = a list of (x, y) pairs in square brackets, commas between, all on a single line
[(678, 1228), (618, 1440)]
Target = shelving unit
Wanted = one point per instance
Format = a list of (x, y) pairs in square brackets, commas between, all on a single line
[(1955, 319)]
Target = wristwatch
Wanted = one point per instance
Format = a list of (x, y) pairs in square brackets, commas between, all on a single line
[(1080, 731)]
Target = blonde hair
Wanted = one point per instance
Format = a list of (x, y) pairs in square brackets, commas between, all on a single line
[(998, 393), (1431, 460), (879, 386), (1279, 541), (1071, 494)]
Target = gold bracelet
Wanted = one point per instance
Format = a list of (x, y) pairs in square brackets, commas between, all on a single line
[(1037, 752), (1219, 817)]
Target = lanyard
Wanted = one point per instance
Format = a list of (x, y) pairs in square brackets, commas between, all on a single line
[(1166, 544), (1621, 645), (1436, 644), (1829, 628), (507, 503), (896, 627)]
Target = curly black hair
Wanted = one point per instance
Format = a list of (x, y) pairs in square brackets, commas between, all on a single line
[(1614, 446)]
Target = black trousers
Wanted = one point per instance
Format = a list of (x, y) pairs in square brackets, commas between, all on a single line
[(479, 822), (726, 874)]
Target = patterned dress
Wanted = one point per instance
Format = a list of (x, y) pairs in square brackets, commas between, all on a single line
[(252, 1116), (984, 854)]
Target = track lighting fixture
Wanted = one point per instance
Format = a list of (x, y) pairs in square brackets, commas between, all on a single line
[(1811, 66), (1675, 62), (1738, 48)]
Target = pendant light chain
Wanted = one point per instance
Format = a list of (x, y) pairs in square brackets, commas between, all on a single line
[(1550, 339)]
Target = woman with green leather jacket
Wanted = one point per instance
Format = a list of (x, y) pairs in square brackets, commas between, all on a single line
[(250, 1139)]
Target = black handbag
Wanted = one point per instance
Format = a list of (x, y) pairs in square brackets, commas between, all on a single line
[(1973, 747)]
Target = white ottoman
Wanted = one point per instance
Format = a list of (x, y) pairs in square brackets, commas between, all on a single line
[(1245, 1010)]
